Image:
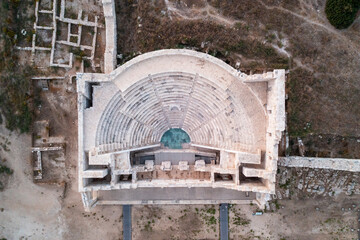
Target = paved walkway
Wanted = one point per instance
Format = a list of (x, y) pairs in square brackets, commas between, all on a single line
[(175, 195), (127, 222), (224, 221)]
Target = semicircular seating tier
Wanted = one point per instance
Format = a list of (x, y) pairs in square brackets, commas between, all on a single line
[(215, 108), (183, 89), (229, 123)]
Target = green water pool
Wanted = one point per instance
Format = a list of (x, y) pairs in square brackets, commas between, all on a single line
[(174, 138)]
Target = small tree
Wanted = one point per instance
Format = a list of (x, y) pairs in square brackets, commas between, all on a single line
[(341, 13)]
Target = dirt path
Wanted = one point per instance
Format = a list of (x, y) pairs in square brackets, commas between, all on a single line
[(354, 46), (205, 13), (30, 211)]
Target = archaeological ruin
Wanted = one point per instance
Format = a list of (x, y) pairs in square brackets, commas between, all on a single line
[(178, 119)]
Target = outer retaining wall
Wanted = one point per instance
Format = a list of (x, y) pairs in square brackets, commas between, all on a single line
[(110, 23), (342, 164), (174, 202)]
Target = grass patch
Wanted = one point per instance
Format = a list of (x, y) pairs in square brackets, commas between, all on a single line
[(211, 211), (207, 214), (240, 221), (4, 170)]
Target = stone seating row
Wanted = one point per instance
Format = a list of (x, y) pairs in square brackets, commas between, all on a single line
[(143, 112)]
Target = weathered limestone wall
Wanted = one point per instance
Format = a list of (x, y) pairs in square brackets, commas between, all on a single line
[(275, 110), (65, 61), (342, 164), (110, 22), (266, 103)]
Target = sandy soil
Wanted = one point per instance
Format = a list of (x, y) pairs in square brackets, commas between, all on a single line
[(319, 219), (30, 211), (175, 222), (33, 211)]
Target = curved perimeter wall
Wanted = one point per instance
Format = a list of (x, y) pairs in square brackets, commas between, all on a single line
[(180, 89)]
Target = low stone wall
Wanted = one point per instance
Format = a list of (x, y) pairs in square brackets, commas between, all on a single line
[(302, 183), (110, 23), (303, 178), (341, 164)]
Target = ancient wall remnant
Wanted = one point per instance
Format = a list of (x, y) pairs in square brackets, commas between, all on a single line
[(234, 122)]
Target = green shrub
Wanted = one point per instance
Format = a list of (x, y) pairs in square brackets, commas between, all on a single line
[(341, 13), (4, 169), (241, 221), (211, 210)]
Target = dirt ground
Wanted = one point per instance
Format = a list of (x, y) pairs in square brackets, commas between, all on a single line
[(175, 222), (322, 83), (28, 210), (320, 219), (42, 211), (323, 93), (31, 211)]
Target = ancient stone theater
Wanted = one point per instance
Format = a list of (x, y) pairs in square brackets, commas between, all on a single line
[(178, 127)]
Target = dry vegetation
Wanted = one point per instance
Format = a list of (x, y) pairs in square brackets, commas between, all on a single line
[(16, 98), (175, 222), (149, 28), (322, 84), (320, 219), (323, 88)]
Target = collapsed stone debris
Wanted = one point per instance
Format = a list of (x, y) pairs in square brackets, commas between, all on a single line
[(42, 144)]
